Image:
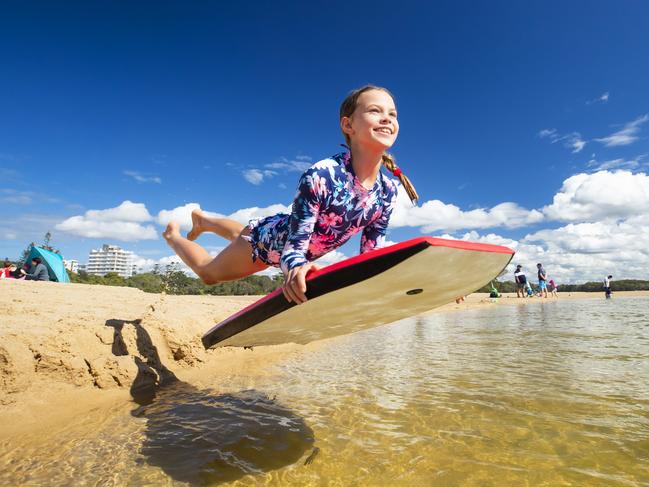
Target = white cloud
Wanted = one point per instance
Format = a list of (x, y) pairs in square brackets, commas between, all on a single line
[(16, 197), (123, 222), (588, 251), (244, 215), (548, 133), (143, 264), (127, 211), (331, 258), (616, 163), (434, 215), (603, 98), (29, 227), (579, 252), (601, 195), (124, 231), (571, 141), (147, 265), (143, 179), (577, 144), (627, 135), (257, 176), (490, 238), (299, 164), (253, 176), (182, 214)]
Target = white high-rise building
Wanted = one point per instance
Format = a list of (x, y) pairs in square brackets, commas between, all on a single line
[(110, 258)]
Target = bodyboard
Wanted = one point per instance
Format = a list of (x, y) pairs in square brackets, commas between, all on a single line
[(371, 289)]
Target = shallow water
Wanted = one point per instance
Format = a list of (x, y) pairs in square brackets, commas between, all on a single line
[(553, 393)]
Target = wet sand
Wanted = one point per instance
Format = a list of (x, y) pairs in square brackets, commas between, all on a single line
[(68, 349)]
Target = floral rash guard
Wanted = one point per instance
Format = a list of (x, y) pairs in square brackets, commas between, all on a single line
[(331, 205)]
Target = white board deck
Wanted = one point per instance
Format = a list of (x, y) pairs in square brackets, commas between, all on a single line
[(368, 290)]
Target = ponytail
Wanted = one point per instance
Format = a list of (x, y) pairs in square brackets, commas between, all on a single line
[(391, 166)]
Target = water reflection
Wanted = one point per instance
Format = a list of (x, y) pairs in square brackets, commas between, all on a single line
[(204, 438)]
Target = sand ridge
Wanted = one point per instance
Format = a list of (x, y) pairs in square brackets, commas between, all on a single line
[(72, 346)]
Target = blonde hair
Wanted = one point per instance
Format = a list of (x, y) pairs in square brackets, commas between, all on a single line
[(347, 108)]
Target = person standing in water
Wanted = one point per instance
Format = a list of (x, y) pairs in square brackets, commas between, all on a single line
[(336, 198), (552, 288), (543, 277), (521, 282), (607, 287)]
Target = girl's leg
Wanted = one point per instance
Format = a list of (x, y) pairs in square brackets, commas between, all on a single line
[(224, 227), (234, 262)]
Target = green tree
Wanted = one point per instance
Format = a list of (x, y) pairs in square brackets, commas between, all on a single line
[(147, 282), (47, 239)]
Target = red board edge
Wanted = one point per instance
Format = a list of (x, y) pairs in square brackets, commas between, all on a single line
[(432, 241)]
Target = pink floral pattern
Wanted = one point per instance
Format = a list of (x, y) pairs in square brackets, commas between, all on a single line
[(330, 207)]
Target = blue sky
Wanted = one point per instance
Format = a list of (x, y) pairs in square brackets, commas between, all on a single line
[(524, 124)]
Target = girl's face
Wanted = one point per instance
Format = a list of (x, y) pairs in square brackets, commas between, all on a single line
[(374, 121)]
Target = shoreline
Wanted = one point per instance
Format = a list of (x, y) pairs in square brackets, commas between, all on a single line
[(68, 349)]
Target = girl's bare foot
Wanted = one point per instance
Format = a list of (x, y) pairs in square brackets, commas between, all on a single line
[(197, 227), (172, 230)]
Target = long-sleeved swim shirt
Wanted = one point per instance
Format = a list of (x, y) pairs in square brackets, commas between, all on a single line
[(330, 206)]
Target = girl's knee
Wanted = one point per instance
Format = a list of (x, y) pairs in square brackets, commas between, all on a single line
[(208, 278)]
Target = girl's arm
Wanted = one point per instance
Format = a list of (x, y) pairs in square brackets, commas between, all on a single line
[(302, 221), (312, 189)]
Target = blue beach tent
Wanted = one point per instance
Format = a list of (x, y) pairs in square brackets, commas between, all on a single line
[(53, 262)]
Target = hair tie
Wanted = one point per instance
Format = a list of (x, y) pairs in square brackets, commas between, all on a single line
[(397, 172)]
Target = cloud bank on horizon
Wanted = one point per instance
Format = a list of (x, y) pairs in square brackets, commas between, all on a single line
[(607, 232)]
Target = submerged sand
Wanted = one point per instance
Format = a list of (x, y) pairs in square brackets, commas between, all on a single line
[(66, 349)]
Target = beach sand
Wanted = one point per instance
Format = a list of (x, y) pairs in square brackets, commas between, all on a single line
[(69, 349)]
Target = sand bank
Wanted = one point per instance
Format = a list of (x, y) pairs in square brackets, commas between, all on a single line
[(69, 348), (65, 349)]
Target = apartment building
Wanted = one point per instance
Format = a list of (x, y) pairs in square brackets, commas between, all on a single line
[(110, 258)]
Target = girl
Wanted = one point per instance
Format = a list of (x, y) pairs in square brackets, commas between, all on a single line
[(336, 198), (552, 287)]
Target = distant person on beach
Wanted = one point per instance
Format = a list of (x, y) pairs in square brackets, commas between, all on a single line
[(336, 198), (7, 269), (19, 273), (529, 290), (607, 287), (543, 277), (552, 288), (38, 271), (521, 282)]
